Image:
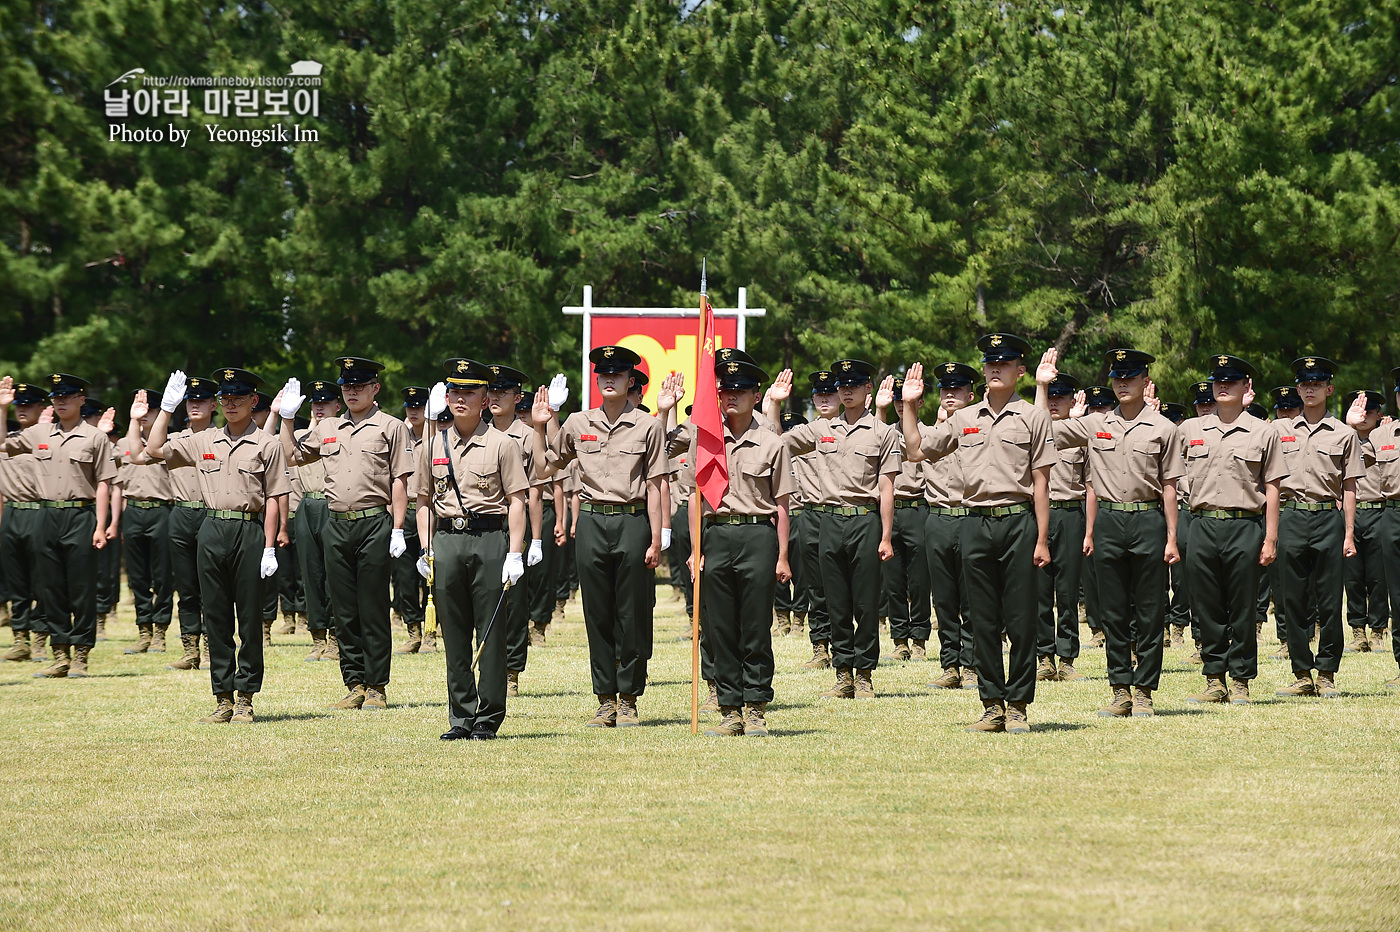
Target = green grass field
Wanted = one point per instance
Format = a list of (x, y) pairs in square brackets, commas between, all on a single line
[(121, 813)]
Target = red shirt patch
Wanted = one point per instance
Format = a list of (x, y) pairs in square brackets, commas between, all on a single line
[(588, 436), (1388, 446), (1104, 435), (210, 456), (1198, 443), (328, 440), (43, 446), (971, 430), (828, 440), (439, 461), (1291, 438)]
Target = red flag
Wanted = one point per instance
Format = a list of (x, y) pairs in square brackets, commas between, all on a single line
[(711, 469)]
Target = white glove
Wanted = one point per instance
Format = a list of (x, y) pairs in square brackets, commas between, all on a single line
[(437, 401), (536, 553), (269, 563), (558, 392), (423, 565), (513, 569), (174, 392), (665, 538), (396, 543), (292, 399)]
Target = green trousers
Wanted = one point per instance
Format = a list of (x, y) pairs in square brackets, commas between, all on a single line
[(289, 572), (809, 539), (1310, 549), (1225, 571), (679, 552), (67, 576), (1179, 605), (1090, 584), (568, 565), (736, 590), (146, 539), (1390, 555), (357, 577), (1367, 603), (792, 595), (311, 518), (410, 589), (517, 621), (999, 573), (1128, 548), (184, 567), (617, 591), (1057, 628), (109, 576), (230, 554), (541, 579), (466, 593), (943, 550), (850, 568), (907, 598), (21, 542)]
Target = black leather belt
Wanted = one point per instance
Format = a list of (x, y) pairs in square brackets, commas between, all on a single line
[(460, 525)]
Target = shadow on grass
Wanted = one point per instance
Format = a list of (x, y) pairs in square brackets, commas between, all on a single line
[(1058, 726), (556, 694), (295, 716)]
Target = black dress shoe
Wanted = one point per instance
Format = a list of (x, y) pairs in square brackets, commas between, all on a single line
[(483, 734), (457, 733)]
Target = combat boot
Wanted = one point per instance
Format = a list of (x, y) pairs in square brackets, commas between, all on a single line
[(20, 650), (1142, 703), (1045, 670), (731, 723), (1067, 672), (102, 626), (429, 642), (559, 610), (951, 679), (1196, 657), (845, 687), (158, 639), (223, 711), (7, 614), (993, 717), (901, 649), (318, 644), (395, 618), (1360, 642), (821, 656), (1302, 686), (354, 699), (375, 699), (415, 640), (884, 622), (332, 651), (782, 624), (289, 624), (303, 621), (1281, 653), (1017, 720), (190, 660), (918, 650), (78, 668), (61, 661), (537, 629), (799, 624), (1178, 635), (1378, 639), (755, 722), (1327, 685), (711, 703), (627, 716), (1239, 692), (1259, 631), (1096, 637), (267, 634), (512, 683), (143, 640), (243, 709), (1121, 706), (865, 689), (38, 650), (606, 716), (969, 678), (1215, 691)]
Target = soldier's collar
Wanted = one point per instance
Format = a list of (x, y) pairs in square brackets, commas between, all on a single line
[(475, 436), (748, 434)]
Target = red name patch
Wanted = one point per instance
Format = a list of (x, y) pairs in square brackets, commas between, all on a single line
[(1104, 435), (127, 453), (1289, 439), (1388, 446), (1198, 443), (210, 456), (588, 436), (828, 440), (329, 440), (439, 461), (971, 430), (43, 446)]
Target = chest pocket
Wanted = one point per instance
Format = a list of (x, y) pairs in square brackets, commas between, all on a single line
[(589, 446), (376, 452), (81, 458), (1145, 455), (1334, 453), (480, 477), (333, 448), (1016, 435), (1246, 467), (44, 455)]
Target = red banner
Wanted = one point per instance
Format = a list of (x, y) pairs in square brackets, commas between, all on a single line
[(666, 345)]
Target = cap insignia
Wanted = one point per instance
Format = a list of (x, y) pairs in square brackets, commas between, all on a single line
[(1122, 355), (57, 378), (349, 363), (228, 375), (995, 340), (1223, 361), (607, 352), (1310, 362), (461, 365)]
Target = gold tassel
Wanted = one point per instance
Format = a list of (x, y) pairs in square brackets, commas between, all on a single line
[(430, 612)]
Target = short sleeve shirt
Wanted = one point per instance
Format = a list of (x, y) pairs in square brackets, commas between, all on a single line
[(1130, 459), (760, 472), (1229, 465), (19, 479), (943, 485), (1319, 458), (184, 482), (361, 460), (997, 451), (616, 459), (850, 458), (486, 466), (143, 481), (69, 464), (1383, 455), (235, 473)]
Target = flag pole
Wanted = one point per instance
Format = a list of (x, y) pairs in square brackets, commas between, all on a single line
[(697, 506)]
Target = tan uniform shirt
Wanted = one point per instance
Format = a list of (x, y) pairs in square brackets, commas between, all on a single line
[(804, 471), (19, 479), (760, 472), (850, 458), (297, 494), (1229, 464), (1129, 459), (1383, 445), (143, 482), (311, 473), (1371, 486), (910, 480), (1183, 485), (615, 460), (996, 452), (487, 466), (943, 484), (361, 460), (184, 482), (235, 473), (69, 464), (1318, 457)]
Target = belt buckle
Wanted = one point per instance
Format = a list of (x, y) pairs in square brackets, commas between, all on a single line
[(459, 523)]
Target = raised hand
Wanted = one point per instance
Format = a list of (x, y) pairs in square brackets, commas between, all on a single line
[(46, 415), (1149, 396), (781, 389), (558, 391), (1356, 414), (885, 396), (1249, 397), (1080, 406), (914, 382), (140, 406), (1045, 372), (7, 392), (291, 400), (437, 401), (542, 412), (174, 392), (666, 395), (107, 421)]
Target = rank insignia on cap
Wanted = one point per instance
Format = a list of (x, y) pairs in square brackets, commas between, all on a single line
[(1310, 363), (1223, 361), (995, 340), (733, 367), (461, 365), (1121, 355), (608, 351)]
